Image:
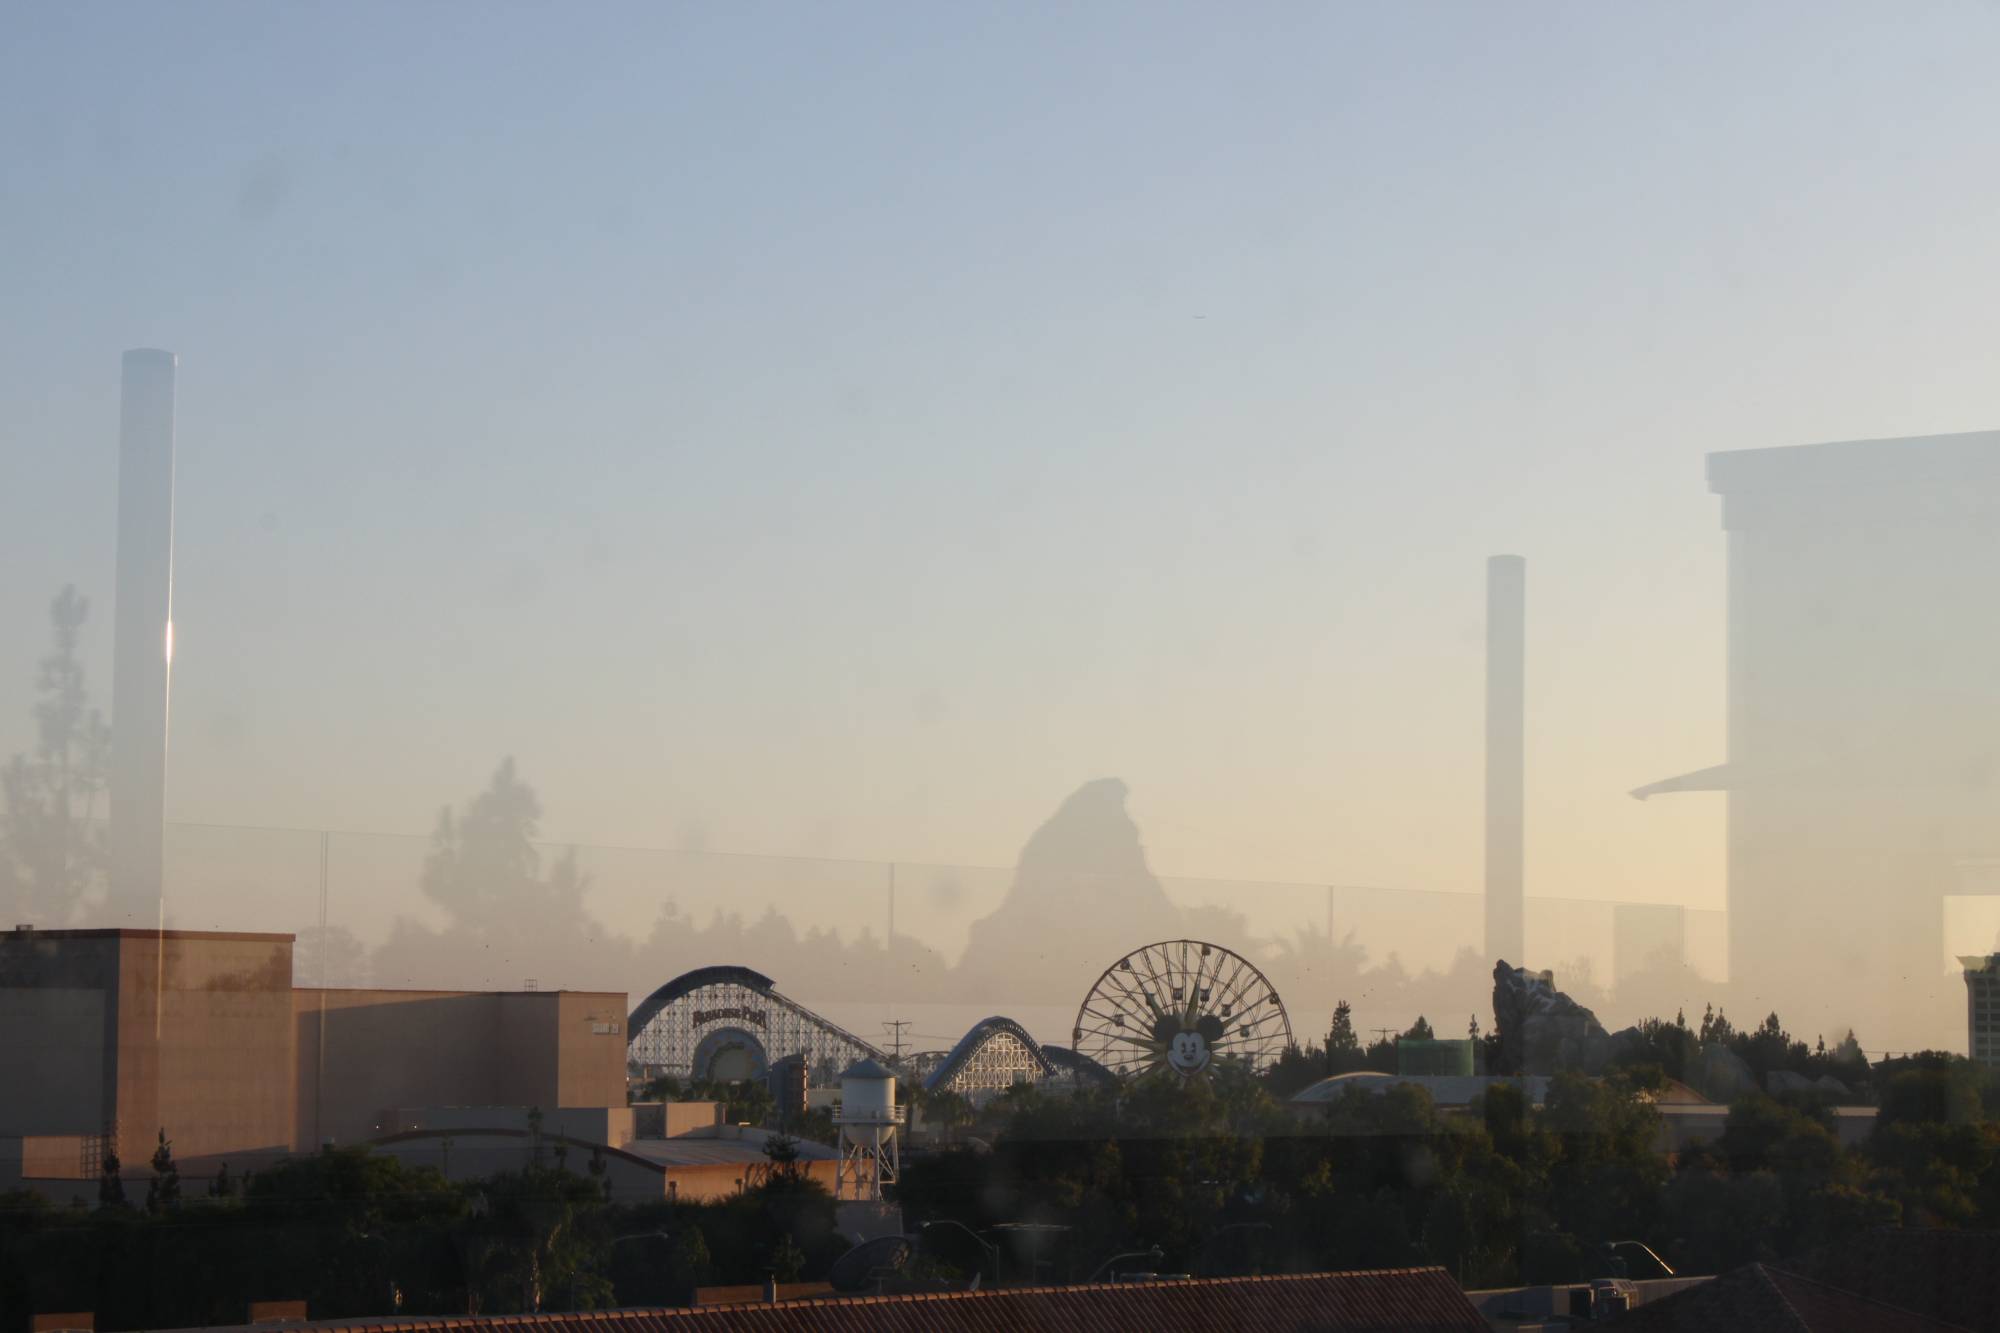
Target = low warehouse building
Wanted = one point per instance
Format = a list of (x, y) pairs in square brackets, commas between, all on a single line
[(116, 1036)]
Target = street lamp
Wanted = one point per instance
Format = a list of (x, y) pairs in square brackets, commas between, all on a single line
[(1035, 1231), (658, 1233), (977, 1239), (1611, 1247), (388, 1255), (1156, 1254)]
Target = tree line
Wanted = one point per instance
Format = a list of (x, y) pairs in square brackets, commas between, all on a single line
[(356, 1233), (1220, 1176)]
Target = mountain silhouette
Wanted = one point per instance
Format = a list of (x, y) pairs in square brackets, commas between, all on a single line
[(1082, 898)]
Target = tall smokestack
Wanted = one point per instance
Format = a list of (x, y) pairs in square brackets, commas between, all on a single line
[(1506, 669), (142, 644)]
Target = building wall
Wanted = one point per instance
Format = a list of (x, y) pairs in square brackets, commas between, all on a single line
[(53, 1043), (611, 1126), (142, 1030), (590, 1049), (384, 1049), (678, 1118), (527, 1030), (58, 1001), (201, 1034), (363, 1051), (61, 1160), (1863, 720), (702, 1181), (205, 1043)]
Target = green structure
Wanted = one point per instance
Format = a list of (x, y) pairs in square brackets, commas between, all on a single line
[(1434, 1057)]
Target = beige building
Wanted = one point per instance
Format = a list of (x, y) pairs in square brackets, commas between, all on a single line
[(698, 1158), (362, 1052), (108, 1037)]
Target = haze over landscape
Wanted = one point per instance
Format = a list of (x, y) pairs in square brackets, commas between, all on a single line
[(847, 435), (881, 665)]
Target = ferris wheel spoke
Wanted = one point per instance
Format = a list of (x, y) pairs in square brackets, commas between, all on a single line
[(1112, 1032), (1136, 994), (1153, 974)]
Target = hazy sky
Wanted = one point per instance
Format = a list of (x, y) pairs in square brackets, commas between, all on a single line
[(842, 430)]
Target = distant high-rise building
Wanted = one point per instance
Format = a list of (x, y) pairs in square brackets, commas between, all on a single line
[(142, 635), (1863, 716), (1982, 1007), (1506, 673)]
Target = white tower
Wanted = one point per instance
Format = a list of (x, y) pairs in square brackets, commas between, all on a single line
[(870, 1155), (143, 634)]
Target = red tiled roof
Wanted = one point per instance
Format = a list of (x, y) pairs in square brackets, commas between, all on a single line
[(1948, 1275), (1402, 1300), (1762, 1299)]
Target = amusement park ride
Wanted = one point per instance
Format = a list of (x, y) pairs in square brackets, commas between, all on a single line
[(1183, 1006)]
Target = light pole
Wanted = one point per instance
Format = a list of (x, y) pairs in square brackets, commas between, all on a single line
[(1156, 1254), (1611, 1247), (977, 1239), (1034, 1231), (389, 1256), (658, 1233)]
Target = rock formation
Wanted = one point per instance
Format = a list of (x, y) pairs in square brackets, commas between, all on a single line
[(1542, 1030)]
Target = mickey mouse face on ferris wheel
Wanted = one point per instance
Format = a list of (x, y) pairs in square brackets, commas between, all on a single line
[(1189, 1047)]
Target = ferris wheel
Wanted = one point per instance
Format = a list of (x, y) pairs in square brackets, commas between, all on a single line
[(1182, 1005)]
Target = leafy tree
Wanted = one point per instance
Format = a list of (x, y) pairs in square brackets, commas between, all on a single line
[(691, 1264), (485, 870), (1343, 1048), (163, 1191), (1929, 1088), (1420, 1030), (786, 1163), (815, 1125), (1769, 1047), (788, 1261), (1669, 1047), (1294, 1070), (54, 846), (550, 1222), (1605, 1178), (222, 1186), (1340, 1036), (950, 1111), (1380, 1056), (110, 1182), (745, 1102)]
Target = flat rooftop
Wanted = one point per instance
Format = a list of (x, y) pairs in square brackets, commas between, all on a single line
[(1973, 456), (24, 932), (726, 1148)]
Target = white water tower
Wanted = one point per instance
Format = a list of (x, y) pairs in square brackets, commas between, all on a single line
[(870, 1155)]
